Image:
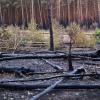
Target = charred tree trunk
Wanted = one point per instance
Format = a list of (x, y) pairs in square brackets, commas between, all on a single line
[(59, 86), (70, 57), (50, 26), (1, 15)]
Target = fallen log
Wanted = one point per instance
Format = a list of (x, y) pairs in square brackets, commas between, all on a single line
[(47, 90), (52, 65), (41, 86), (90, 63), (27, 71), (50, 72), (91, 54), (16, 69), (86, 58), (50, 53), (96, 59), (45, 57), (33, 57), (54, 55), (52, 77)]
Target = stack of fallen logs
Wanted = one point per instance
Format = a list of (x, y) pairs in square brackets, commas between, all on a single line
[(78, 73), (95, 56)]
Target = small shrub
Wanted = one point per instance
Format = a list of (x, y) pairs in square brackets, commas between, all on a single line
[(79, 38), (97, 34), (37, 35), (91, 42), (58, 31), (5, 39), (32, 26)]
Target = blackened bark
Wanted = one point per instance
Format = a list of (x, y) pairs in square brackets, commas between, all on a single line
[(50, 27), (42, 86), (70, 57)]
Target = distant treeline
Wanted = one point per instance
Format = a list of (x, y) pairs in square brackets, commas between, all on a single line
[(21, 12)]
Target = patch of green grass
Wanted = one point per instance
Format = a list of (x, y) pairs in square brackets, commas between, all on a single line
[(97, 34)]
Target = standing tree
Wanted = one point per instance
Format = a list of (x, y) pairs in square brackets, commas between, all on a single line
[(22, 11), (50, 26), (1, 16), (58, 9), (32, 8), (98, 10)]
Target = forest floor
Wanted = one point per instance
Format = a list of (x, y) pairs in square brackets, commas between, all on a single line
[(40, 66), (54, 95)]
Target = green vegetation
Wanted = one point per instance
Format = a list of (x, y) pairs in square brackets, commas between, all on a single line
[(37, 35), (79, 38), (83, 40), (12, 38), (97, 34), (58, 31)]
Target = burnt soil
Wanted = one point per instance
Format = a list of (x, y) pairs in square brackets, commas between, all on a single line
[(40, 66)]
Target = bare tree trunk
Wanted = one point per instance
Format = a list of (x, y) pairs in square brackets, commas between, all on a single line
[(27, 17), (50, 26), (1, 14), (40, 14), (22, 10), (32, 19), (58, 9), (70, 57), (74, 13), (14, 15), (68, 11), (81, 14), (78, 12), (86, 12), (98, 10)]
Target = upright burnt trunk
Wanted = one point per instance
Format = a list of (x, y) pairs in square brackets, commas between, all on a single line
[(70, 57), (27, 16), (50, 27), (40, 12), (1, 19)]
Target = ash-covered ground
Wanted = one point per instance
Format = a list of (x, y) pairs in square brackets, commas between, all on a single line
[(40, 66)]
